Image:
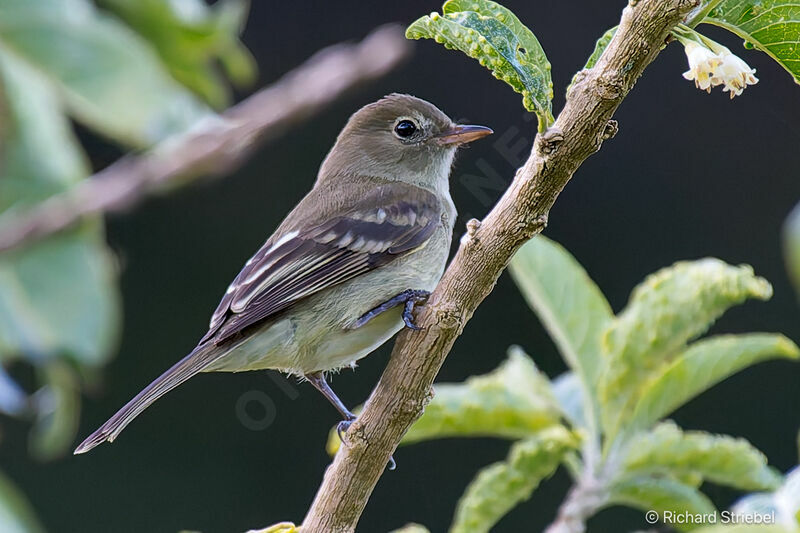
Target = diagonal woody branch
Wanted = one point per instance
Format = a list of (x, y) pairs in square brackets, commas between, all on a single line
[(405, 387)]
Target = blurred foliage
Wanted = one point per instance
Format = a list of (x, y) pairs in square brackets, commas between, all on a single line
[(781, 507), (791, 246), (197, 43), (613, 444), (283, 527), (100, 72), (62, 60), (493, 35), (499, 487), (16, 516)]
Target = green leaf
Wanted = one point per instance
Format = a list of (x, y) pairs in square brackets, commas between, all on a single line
[(501, 486), (571, 398), (599, 48), (701, 366), (192, 38), (58, 412), (772, 26), (661, 495), (567, 301), (16, 515), (109, 76), (669, 308), (58, 296), (513, 401), (493, 35), (667, 450)]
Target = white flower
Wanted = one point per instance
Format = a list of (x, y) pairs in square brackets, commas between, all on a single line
[(735, 74), (703, 65), (709, 68)]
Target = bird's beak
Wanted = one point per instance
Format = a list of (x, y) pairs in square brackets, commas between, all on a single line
[(462, 134)]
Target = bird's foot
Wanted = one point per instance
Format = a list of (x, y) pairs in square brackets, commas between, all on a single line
[(342, 428), (408, 298), (408, 308)]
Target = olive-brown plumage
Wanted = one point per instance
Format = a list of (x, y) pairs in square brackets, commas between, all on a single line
[(343, 270)]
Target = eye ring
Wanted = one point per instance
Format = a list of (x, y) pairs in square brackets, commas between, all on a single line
[(405, 128)]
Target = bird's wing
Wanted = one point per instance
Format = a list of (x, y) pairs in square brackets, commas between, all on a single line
[(384, 224)]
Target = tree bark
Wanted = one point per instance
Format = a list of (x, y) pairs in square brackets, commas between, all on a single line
[(405, 387)]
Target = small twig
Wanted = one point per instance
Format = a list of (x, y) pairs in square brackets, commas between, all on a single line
[(217, 146), (404, 388)]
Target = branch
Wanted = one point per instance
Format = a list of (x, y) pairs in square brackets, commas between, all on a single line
[(405, 387), (219, 145), (583, 500)]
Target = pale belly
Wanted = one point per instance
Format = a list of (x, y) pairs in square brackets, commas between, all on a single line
[(300, 348)]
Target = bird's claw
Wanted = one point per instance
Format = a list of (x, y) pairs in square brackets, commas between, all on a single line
[(342, 428), (408, 316), (415, 297)]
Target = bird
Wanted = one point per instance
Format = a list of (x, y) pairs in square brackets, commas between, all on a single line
[(343, 271)]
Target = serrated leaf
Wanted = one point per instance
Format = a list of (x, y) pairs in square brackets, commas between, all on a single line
[(661, 495), (567, 301), (599, 48), (16, 515), (701, 366), (192, 39), (58, 296), (772, 26), (493, 35), (108, 76), (671, 307), (667, 450), (499, 487), (513, 401)]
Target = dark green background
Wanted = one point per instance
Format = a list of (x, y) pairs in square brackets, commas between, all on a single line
[(688, 175)]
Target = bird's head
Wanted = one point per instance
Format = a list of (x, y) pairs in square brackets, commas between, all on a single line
[(400, 137)]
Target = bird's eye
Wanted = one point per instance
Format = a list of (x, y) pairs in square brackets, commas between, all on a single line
[(405, 129)]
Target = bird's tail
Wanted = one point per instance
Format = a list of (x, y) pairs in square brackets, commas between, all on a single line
[(187, 367)]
